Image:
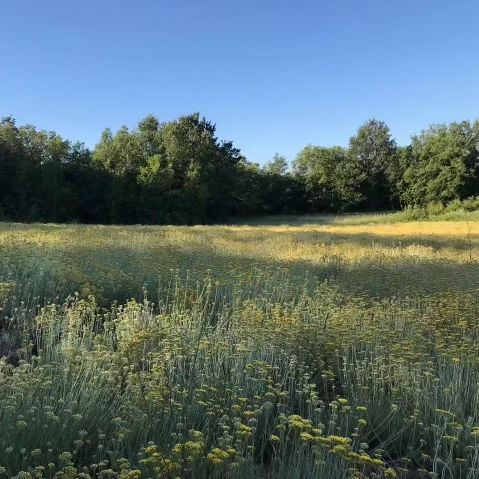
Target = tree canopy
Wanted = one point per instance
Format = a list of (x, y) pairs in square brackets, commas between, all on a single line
[(179, 172)]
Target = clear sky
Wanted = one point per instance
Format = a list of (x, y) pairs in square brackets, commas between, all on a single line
[(274, 75)]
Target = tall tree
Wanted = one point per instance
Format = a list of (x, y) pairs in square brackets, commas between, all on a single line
[(201, 170), (444, 164), (330, 178), (14, 167), (280, 191), (278, 165), (376, 153)]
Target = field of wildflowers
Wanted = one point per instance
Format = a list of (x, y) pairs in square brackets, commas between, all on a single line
[(327, 348)]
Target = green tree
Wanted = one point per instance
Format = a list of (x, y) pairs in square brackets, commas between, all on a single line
[(375, 152), (279, 191), (177, 172), (277, 166), (124, 156), (14, 168), (199, 169), (443, 164), (329, 176)]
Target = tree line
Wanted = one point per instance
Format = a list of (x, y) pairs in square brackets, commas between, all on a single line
[(179, 172)]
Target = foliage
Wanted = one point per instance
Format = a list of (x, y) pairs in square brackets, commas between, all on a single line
[(330, 178), (443, 164), (179, 172), (374, 152)]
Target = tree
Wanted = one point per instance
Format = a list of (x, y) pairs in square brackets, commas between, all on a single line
[(14, 168), (125, 156), (121, 154), (443, 164), (329, 177), (375, 151), (177, 172), (201, 170), (277, 166), (279, 191)]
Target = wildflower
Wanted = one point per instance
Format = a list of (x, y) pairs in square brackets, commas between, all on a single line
[(65, 456), (305, 436), (450, 438), (390, 472), (338, 439), (151, 450), (444, 412)]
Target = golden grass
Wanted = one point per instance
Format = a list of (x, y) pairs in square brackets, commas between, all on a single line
[(380, 259)]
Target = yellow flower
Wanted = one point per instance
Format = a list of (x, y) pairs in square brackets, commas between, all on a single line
[(450, 438), (338, 439), (390, 472), (444, 412)]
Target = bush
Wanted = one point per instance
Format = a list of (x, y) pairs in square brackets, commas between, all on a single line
[(414, 213), (455, 205), (435, 208), (471, 204)]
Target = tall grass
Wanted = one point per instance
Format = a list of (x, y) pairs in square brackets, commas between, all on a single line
[(267, 365)]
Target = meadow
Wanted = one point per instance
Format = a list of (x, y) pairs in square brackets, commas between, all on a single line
[(308, 347)]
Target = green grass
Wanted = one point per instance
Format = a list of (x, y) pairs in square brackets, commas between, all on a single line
[(407, 215)]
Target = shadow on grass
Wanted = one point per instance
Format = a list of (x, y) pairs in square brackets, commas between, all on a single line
[(119, 271), (111, 281)]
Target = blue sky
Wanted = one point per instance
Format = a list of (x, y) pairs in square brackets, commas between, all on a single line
[(273, 75)]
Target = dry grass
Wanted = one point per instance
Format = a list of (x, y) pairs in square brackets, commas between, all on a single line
[(378, 259)]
